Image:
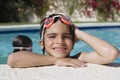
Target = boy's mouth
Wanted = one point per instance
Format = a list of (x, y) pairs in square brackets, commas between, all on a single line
[(60, 49)]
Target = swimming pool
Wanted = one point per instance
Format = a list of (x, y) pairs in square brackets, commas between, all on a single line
[(109, 34)]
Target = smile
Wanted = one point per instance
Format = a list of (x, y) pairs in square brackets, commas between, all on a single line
[(60, 49)]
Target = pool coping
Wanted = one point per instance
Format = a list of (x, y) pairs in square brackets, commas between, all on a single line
[(37, 26), (19, 27)]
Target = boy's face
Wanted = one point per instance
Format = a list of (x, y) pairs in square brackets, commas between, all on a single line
[(58, 40)]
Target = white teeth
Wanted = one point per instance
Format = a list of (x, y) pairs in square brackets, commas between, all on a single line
[(59, 48)]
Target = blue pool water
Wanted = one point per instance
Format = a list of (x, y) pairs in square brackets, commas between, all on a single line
[(111, 35)]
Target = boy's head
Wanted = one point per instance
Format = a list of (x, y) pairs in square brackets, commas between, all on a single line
[(22, 43), (57, 35)]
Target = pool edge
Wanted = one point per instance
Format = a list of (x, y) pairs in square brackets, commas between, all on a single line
[(79, 25)]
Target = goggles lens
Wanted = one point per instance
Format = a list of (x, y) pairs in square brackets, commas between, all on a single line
[(49, 21)]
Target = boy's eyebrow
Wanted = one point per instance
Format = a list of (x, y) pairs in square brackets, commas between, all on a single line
[(51, 33), (56, 34)]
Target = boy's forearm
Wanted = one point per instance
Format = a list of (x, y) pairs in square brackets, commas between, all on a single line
[(28, 59)]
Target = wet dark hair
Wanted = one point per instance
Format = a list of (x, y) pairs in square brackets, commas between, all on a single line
[(21, 41), (71, 28)]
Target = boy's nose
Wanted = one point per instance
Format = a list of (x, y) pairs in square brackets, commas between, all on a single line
[(59, 40)]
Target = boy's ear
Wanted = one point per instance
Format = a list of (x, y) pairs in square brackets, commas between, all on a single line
[(41, 44)]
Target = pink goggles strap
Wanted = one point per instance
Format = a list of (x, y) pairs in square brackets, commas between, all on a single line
[(21, 48)]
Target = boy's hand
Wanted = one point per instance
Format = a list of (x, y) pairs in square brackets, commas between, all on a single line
[(69, 62)]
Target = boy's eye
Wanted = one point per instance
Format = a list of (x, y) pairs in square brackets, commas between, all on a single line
[(51, 36), (68, 36)]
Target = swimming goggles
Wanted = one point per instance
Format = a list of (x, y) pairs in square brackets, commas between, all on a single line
[(50, 20), (26, 48)]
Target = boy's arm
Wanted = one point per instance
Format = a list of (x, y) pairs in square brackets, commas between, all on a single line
[(104, 52), (29, 59)]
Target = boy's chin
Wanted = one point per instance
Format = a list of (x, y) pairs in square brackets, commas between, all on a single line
[(60, 57)]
